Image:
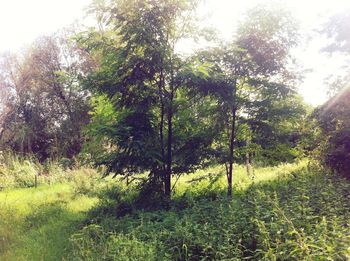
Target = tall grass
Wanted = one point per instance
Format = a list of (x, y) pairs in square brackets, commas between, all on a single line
[(25, 172), (291, 212)]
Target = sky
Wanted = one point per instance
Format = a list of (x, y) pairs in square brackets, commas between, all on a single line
[(21, 21)]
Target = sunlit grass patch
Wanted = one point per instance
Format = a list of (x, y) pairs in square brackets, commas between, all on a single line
[(35, 224)]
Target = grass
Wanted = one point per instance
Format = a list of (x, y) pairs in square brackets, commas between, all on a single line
[(35, 224), (289, 212)]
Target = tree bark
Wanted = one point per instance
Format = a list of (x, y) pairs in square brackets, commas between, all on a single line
[(161, 125), (248, 165), (169, 151), (232, 140), (170, 131)]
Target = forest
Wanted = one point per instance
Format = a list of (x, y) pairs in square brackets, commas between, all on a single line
[(146, 136)]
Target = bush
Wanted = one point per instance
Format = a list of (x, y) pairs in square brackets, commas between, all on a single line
[(17, 172), (337, 153), (334, 120), (21, 172), (84, 180)]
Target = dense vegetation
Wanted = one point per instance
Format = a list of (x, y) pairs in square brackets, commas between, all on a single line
[(293, 211), (117, 145)]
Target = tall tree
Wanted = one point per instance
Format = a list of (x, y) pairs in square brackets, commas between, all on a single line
[(148, 83), (254, 69), (337, 31)]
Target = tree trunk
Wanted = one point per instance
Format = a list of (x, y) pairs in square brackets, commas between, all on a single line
[(161, 126), (232, 140), (169, 152), (167, 184), (248, 165), (248, 161), (161, 137)]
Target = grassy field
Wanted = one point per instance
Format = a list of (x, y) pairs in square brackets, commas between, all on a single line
[(35, 224), (290, 212)]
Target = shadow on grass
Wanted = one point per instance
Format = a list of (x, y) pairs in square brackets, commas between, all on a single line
[(269, 220)]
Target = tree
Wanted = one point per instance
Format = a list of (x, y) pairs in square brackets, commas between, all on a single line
[(337, 31), (254, 70), (277, 129), (44, 107), (333, 116), (156, 117)]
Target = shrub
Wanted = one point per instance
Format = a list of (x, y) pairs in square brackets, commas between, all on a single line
[(337, 152), (17, 172), (21, 172), (84, 180), (334, 120)]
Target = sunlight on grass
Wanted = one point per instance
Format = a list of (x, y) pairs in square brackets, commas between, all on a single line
[(36, 223), (214, 178), (292, 210)]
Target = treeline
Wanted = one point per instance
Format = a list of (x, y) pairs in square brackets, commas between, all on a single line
[(123, 95), (44, 106)]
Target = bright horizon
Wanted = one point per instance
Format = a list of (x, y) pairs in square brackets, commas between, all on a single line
[(21, 21)]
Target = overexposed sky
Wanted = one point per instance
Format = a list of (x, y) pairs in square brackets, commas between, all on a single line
[(21, 21)]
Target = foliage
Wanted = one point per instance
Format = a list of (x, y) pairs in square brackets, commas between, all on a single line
[(43, 106), (278, 128), (293, 211), (22, 172), (257, 84), (119, 246), (333, 116), (289, 212), (336, 30), (334, 121), (84, 180), (155, 125)]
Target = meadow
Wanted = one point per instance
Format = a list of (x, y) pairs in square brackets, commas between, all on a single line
[(290, 212), (215, 148)]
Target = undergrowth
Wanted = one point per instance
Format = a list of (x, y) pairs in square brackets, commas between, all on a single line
[(292, 212), (289, 212), (26, 172)]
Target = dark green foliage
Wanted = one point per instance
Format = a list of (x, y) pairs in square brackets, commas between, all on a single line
[(159, 124), (277, 128), (334, 121)]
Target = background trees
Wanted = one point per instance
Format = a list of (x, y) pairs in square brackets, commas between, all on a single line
[(334, 121), (43, 106), (125, 92), (333, 118)]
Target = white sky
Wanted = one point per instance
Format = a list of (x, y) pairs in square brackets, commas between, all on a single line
[(21, 21)]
